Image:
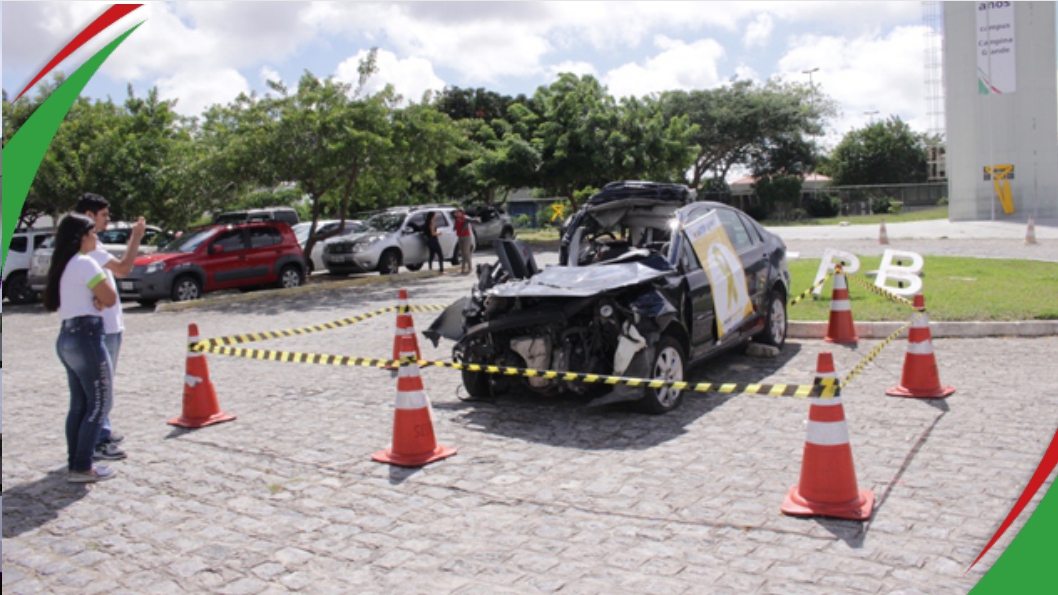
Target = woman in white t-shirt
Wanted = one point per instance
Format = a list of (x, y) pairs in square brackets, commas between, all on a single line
[(78, 291)]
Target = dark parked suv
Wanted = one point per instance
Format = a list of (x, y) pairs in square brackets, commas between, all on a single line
[(217, 257)]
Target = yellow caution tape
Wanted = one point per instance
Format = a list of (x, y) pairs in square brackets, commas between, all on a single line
[(882, 292), (826, 389), (811, 289), (858, 368), (327, 326)]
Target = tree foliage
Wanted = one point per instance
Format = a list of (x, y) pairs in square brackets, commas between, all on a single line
[(766, 127), (885, 152)]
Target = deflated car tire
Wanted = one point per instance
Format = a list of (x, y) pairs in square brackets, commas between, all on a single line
[(669, 364)]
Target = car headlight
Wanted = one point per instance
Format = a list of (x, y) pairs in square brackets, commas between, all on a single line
[(358, 248), (155, 267)]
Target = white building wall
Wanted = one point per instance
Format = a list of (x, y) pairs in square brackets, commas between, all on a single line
[(1019, 128)]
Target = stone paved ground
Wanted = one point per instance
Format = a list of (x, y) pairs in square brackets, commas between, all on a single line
[(544, 496)]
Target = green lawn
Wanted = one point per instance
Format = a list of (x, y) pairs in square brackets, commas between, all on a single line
[(955, 288), (922, 215)]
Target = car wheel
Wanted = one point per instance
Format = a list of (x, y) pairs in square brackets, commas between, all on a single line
[(389, 262), (477, 386), (186, 288), (413, 267), (669, 364), (290, 277), (147, 303), (17, 289), (774, 332)]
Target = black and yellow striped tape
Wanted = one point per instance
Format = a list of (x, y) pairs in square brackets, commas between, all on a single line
[(871, 287), (827, 389), (811, 289), (327, 326), (858, 368)]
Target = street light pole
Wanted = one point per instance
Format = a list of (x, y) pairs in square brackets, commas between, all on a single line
[(871, 115), (809, 73)]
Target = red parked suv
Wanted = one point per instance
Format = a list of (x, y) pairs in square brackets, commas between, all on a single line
[(217, 257)]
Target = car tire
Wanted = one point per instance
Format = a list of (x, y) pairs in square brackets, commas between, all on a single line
[(389, 262), (185, 288), (775, 322), (17, 289), (413, 267), (290, 277), (670, 363), (478, 387), (147, 303)]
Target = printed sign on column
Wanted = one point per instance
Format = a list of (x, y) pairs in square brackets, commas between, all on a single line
[(724, 269), (995, 48)]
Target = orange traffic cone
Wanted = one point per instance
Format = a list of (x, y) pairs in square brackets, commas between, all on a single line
[(405, 328), (840, 329), (920, 378), (827, 486), (200, 398), (1030, 232), (883, 237), (414, 444)]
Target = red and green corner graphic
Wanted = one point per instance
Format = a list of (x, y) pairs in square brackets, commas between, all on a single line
[(1027, 565)]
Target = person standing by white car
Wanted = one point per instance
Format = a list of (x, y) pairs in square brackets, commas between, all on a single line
[(98, 209)]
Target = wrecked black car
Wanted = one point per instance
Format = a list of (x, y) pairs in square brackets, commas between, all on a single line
[(648, 283)]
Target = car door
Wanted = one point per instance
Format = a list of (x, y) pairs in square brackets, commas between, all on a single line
[(225, 263), (265, 248), (413, 238), (751, 252), (489, 227), (448, 239), (700, 301)]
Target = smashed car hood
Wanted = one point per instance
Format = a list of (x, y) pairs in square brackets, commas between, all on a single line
[(560, 281)]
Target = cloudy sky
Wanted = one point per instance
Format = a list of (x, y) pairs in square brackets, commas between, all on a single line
[(870, 55)]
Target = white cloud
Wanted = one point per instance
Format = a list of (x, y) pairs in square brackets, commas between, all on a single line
[(868, 73), (410, 77), (759, 31), (269, 74), (679, 66), (198, 90), (577, 68)]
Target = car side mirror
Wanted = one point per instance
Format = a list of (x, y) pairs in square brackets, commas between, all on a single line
[(408, 231)]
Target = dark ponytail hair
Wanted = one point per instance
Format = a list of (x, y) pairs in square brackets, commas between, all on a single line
[(72, 228)]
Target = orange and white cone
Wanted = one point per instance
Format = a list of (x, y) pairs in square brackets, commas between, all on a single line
[(827, 486), (405, 328), (414, 444), (1030, 232), (200, 398), (840, 328), (883, 237), (920, 378)]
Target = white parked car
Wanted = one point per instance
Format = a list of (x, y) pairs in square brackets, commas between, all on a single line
[(24, 242), (114, 238), (314, 262)]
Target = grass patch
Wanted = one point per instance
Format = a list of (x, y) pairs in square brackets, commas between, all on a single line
[(956, 289), (921, 215), (543, 234)]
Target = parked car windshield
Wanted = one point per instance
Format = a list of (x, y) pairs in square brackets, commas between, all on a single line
[(388, 222), (189, 242)]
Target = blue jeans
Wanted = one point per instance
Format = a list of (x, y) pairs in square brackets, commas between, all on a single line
[(82, 351), (434, 245), (113, 345)]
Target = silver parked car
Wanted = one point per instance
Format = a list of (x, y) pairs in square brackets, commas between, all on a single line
[(314, 262), (392, 238), (489, 223)]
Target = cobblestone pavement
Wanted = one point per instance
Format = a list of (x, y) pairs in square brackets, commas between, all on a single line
[(544, 495)]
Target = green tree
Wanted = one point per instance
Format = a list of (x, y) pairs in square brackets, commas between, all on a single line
[(886, 152), (764, 127)]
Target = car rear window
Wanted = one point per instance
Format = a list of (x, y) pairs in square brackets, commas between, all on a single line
[(262, 237)]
